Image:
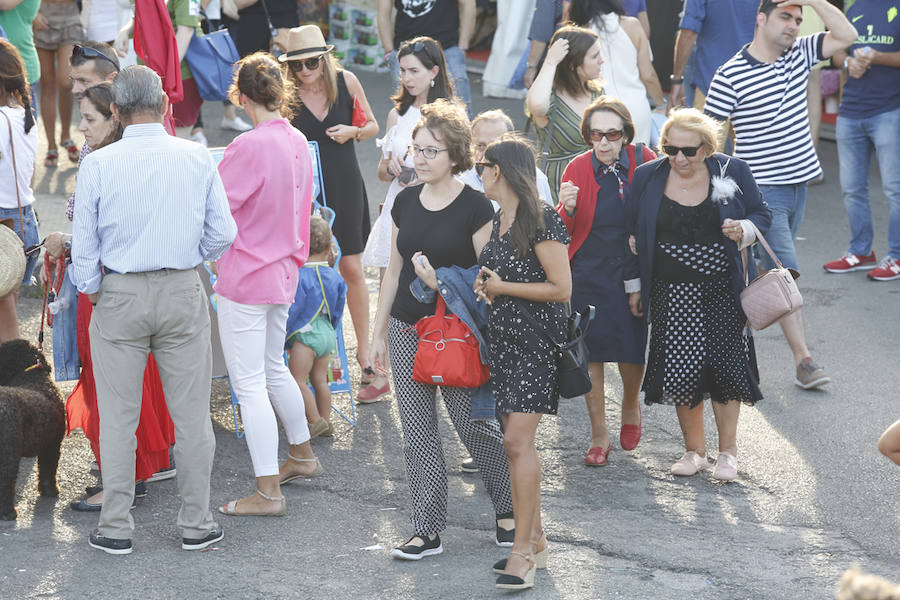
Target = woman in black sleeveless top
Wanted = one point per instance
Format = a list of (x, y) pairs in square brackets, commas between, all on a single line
[(327, 94)]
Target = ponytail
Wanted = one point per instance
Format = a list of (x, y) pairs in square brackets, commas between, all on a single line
[(25, 99)]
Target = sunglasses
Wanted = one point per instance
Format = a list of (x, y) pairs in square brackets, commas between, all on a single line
[(428, 152), (90, 53), (421, 47), (480, 166), (688, 151), (613, 135), (311, 64)]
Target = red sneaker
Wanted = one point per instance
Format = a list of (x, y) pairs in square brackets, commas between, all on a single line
[(851, 262), (886, 271)]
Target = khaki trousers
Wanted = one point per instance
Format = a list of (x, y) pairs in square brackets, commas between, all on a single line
[(164, 311)]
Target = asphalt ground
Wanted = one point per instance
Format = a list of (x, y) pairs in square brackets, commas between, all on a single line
[(813, 497)]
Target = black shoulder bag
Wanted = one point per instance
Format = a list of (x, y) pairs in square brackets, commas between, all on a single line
[(573, 379)]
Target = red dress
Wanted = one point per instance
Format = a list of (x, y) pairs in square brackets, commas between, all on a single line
[(155, 430)]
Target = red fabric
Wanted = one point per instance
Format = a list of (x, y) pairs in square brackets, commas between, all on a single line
[(187, 111), (155, 431), (581, 173), (154, 42)]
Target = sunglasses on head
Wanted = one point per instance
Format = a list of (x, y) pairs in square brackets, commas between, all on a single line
[(689, 151), (613, 135), (421, 47), (87, 52), (480, 166), (311, 64)]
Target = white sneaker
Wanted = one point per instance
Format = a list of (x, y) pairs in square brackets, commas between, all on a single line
[(235, 124), (199, 138), (689, 464)]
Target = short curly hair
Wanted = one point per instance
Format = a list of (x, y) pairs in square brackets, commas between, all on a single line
[(692, 121), (447, 121)]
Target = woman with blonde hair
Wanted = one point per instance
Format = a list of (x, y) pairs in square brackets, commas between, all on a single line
[(566, 84), (691, 214), (329, 96)]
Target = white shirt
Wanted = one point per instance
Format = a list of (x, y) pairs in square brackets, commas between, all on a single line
[(26, 150)]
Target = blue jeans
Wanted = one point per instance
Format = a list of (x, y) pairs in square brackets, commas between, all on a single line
[(856, 138), (31, 234), (456, 67), (66, 362), (787, 203)]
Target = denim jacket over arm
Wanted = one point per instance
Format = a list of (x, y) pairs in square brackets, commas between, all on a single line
[(456, 287)]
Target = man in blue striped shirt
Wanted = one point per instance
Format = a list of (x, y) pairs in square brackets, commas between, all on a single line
[(150, 208), (762, 89)]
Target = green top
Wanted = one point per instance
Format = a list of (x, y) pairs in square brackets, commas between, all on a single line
[(185, 13), (17, 24)]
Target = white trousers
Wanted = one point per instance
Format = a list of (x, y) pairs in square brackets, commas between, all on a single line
[(253, 345)]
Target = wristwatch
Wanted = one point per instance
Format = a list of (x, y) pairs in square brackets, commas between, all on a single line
[(676, 80), (67, 245)]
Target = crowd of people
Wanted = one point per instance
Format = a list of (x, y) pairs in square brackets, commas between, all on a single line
[(509, 237)]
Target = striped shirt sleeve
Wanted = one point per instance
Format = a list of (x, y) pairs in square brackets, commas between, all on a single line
[(219, 228), (811, 48), (85, 237), (722, 98)]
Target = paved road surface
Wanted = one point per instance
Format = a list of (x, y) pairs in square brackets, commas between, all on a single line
[(814, 496)]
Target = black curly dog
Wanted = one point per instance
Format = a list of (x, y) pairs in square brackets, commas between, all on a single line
[(32, 421)]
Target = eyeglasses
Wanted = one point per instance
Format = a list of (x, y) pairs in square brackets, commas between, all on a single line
[(613, 135), (479, 166), (311, 64), (91, 53), (428, 152), (688, 151)]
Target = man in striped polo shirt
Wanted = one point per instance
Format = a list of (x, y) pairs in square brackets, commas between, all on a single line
[(762, 89)]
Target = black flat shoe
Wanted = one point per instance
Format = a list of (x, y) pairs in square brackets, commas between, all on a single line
[(504, 537), (85, 506), (140, 489)]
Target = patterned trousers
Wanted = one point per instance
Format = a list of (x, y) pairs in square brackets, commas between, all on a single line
[(425, 467)]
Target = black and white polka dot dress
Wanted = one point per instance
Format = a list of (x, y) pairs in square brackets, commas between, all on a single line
[(523, 367), (698, 349)]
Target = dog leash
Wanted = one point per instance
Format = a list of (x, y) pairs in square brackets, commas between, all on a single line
[(51, 292)]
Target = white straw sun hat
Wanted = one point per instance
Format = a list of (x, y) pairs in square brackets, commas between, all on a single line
[(12, 260)]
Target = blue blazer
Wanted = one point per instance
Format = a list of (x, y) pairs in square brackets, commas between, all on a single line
[(643, 208)]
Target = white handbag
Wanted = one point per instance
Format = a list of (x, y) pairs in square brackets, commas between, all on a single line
[(770, 296)]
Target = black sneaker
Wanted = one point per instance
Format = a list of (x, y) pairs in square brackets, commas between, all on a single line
[(410, 551), (162, 474), (468, 466), (140, 489), (505, 537), (215, 534), (109, 545)]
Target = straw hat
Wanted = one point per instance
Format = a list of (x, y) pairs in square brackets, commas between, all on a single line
[(12, 260), (305, 41)]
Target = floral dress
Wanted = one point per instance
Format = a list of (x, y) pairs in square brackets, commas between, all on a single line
[(523, 365)]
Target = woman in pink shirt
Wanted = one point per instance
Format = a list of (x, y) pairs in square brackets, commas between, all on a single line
[(267, 174)]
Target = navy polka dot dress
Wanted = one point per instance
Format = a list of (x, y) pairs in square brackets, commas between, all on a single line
[(698, 347), (523, 366)]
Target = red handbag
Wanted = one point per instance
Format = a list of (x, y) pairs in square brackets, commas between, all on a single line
[(447, 353), (359, 118)]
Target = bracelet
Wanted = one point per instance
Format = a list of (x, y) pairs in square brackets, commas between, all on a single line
[(846, 65), (358, 132), (676, 80)]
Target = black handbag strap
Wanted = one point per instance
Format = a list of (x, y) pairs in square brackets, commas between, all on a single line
[(523, 308)]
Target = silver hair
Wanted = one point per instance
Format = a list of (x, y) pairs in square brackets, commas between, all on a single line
[(497, 116), (137, 89)]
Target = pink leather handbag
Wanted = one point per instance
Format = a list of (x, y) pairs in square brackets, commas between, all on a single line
[(770, 296)]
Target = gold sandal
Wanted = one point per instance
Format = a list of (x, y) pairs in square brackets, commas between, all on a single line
[(230, 509), (316, 473)]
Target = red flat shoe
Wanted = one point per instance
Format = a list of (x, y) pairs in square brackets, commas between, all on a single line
[(370, 393), (630, 436), (596, 456)]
